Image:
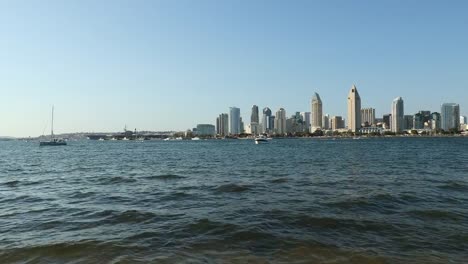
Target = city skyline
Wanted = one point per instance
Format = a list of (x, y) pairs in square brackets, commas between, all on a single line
[(163, 66)]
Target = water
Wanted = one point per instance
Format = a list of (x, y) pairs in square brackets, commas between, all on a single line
[(394, 200)]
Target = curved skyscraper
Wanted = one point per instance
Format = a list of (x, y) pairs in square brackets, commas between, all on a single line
[(354, 110), (316, 113), (397, 115)]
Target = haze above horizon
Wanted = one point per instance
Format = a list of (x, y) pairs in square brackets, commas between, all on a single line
[(169, 65)]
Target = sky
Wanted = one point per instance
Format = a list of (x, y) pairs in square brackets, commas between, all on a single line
[(170, 65)]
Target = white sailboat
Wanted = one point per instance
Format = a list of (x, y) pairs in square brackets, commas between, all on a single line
[(53, 141)]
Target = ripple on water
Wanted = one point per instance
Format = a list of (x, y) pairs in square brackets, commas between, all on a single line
[(455, 186), (437, 214), (232, 188), (116, 180), (165, 177)]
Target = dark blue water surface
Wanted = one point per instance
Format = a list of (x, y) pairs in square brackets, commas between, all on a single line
[(388, 200)]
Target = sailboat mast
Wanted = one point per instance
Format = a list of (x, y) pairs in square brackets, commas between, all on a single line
[(52, 126)]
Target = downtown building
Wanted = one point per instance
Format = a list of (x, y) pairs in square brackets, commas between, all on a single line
[(435, 121), (280, 122), (337, 122), (450, 116), (316, 113), (326, 122), (205, 130), (368, 116), (267, 121), (306, 121), (397, 115), (234, 121), (407, 122), (254, 126), (222, 125), (354, 110)]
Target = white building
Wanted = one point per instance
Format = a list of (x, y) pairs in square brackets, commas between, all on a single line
[(316, 113), (397, 115), (280, 122), (354, 110)]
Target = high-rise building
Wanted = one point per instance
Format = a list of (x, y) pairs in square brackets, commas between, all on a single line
[(336, 122), (418, 121), (222, 125), (272, 123), (267, 125), (280, 122), (241, 126), (397, 115), (450, 116), (435, 121), (368, 116), (306, 120), (254, 115), (326, 121), (387, 121), (407, 122), (316, 113), (426, 115), (234, 121), (354, 110), (463, 120)]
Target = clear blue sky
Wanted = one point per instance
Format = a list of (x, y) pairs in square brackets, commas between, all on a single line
[(168, 65)]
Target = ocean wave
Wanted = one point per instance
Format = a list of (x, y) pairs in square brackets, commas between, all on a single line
[(13, 183), (117, 179), (206, 226), (232, 188), (455, 185), (279, 180), (119, 217), (165, 177), (329, 222), (437, 214), (76, 252)]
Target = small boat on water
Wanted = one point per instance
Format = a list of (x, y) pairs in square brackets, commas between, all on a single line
[(261, 140), (53, 141), (196, 138)]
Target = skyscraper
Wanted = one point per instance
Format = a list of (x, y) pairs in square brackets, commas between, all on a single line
[(306, 120), (234, 121), (397, 115), (418, 121), (326, 121), (435, 121), (354, 110), (222, 125), (450, 116), (463, 120), (280, 122), (254, 115), (368, 116), (267, 125), (387, 120), (336, 122), (408, 122), (316, 113)]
